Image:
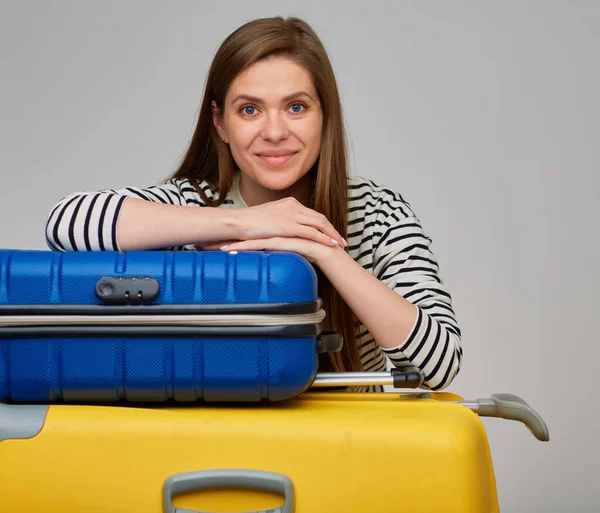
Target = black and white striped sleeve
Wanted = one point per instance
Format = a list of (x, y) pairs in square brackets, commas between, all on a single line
[(87, 221), (403, 260)]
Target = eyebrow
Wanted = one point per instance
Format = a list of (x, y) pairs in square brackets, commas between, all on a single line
[(255, 99)]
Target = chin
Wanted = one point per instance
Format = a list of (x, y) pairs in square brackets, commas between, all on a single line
[(277, 180)]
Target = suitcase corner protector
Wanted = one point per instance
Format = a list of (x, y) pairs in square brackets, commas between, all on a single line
[(19, 422)]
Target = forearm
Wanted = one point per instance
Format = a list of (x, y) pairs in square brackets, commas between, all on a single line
[(145, 225), (105, 222), (387, 315), (420, 335)]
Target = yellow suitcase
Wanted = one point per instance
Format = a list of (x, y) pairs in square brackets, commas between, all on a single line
[(320, 452)]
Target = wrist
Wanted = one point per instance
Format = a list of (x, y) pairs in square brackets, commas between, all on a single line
[(231, 224), (216, 224), (329, 256)]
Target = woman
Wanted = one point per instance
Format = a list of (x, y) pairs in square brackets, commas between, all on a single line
[(267, 162)]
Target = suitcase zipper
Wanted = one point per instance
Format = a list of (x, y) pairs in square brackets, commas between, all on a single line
[(162, 320)]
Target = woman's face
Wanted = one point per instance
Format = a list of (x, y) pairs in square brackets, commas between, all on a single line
[(272, 121)]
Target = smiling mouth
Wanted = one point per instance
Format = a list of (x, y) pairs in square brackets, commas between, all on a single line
[(276, 160)]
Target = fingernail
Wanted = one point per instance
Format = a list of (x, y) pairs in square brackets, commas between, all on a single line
[(335, 242), (345, 241), (223, 248)]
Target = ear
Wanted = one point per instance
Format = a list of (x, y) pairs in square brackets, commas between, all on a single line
[(218, 121)]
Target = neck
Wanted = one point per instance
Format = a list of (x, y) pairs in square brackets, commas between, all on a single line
[(253, 194)]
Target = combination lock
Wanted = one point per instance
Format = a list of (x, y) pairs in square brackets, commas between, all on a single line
[(127, 289)]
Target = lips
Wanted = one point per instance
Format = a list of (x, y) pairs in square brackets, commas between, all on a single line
[(276, 158)]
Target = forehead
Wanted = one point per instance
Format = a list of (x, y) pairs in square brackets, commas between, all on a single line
[(272, 79)]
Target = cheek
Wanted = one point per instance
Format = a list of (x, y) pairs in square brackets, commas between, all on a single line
[(241, 134), (312, 135)]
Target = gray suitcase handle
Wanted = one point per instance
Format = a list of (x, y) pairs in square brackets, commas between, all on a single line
[(510, 407), (228, 478), (505, 406), (398, 378)]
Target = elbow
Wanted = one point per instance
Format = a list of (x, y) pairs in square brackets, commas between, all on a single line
[(85, 222), (53, 230), (449, 369), (53, 242), (58, 222)]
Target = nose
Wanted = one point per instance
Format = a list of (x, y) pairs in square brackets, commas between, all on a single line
[(275, 127)]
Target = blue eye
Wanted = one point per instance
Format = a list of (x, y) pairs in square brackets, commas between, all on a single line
[(297, 108), (246, 110)]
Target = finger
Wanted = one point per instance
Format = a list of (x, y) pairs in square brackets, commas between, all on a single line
[(310, 233), (321, 223), (253, 245), (216, 245), (308, 249)]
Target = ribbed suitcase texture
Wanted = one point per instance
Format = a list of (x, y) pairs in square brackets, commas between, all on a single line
[(341, 452), (186, 277), (221, 364)]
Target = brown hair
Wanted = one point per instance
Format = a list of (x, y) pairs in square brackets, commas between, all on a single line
[(209, 159)]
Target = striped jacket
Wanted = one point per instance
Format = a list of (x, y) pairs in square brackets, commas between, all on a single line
[(384, 235)]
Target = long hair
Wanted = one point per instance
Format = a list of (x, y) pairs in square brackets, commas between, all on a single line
[(209, 159)]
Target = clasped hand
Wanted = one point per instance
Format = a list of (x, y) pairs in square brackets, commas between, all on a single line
[(282, 225)]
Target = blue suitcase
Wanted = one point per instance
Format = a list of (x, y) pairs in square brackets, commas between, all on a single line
[(158, 326)]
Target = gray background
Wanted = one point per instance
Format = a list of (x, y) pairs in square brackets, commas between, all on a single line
[(484, 115)]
